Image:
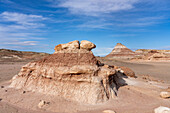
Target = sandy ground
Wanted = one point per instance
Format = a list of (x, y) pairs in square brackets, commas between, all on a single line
[(158, 70), (139, 96)]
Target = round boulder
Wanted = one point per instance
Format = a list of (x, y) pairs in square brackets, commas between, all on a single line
[(87, 45)]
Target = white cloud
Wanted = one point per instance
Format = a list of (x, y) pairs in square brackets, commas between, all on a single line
[(18, 29), (97, 7), (22, 19), (23, 43)]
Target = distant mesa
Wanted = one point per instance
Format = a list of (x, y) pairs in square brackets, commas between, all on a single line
[(121, 52), (73, 73)]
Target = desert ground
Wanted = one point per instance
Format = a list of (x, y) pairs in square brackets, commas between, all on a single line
[(141, 95)]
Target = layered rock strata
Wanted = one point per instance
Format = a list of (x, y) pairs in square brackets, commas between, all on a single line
[(121, 52), (72, 72), (153, 55)]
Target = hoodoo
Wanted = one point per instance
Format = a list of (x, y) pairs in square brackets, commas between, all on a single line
[(72, 72), (121, 52)]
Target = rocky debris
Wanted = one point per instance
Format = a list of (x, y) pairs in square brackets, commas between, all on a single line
[(72, 72), (126, 71), (41, 104), (87, 45), (162, 109), (165, 95), (121, 52), (108, 111), (157, 56)]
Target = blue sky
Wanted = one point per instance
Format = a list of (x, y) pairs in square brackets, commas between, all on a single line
[(39, 25)]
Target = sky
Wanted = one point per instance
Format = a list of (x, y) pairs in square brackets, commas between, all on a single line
[(40, 25)]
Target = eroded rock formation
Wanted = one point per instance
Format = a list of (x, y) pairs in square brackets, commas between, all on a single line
[(121, 52), (72, 72), (152, 55)]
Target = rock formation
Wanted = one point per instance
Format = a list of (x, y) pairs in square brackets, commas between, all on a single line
[(145, 51), (121, 52), (72, 72), (153, 55)]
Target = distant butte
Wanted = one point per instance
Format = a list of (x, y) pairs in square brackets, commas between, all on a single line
[(121, 52)]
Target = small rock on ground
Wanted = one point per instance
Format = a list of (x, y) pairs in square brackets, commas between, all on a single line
[(165, 95), (162, 109), (108, 111)]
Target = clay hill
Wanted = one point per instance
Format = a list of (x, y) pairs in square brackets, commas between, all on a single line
[(152, 55), (7, 55), (73, 73), (121, 52)]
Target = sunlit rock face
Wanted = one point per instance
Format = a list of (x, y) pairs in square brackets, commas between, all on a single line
[(72, 72), (121, 52)]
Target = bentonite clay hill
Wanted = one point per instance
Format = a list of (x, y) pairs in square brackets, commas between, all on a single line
[(72, 72), (121, 52)]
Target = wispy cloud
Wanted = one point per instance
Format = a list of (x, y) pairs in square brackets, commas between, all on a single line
[(18, 29), (22, 19), (23, 43), (96, 7)]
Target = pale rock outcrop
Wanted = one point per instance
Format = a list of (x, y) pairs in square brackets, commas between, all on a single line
[(108, 111), (125, 70), (165, 95), (153, 55), (72, 72), (70, 45), (162, 109), (41, 104), (87, 45)]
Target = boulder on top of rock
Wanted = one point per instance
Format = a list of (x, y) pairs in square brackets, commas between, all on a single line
[(87, 45), (71, 45), (72, 72), (121, 52)]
